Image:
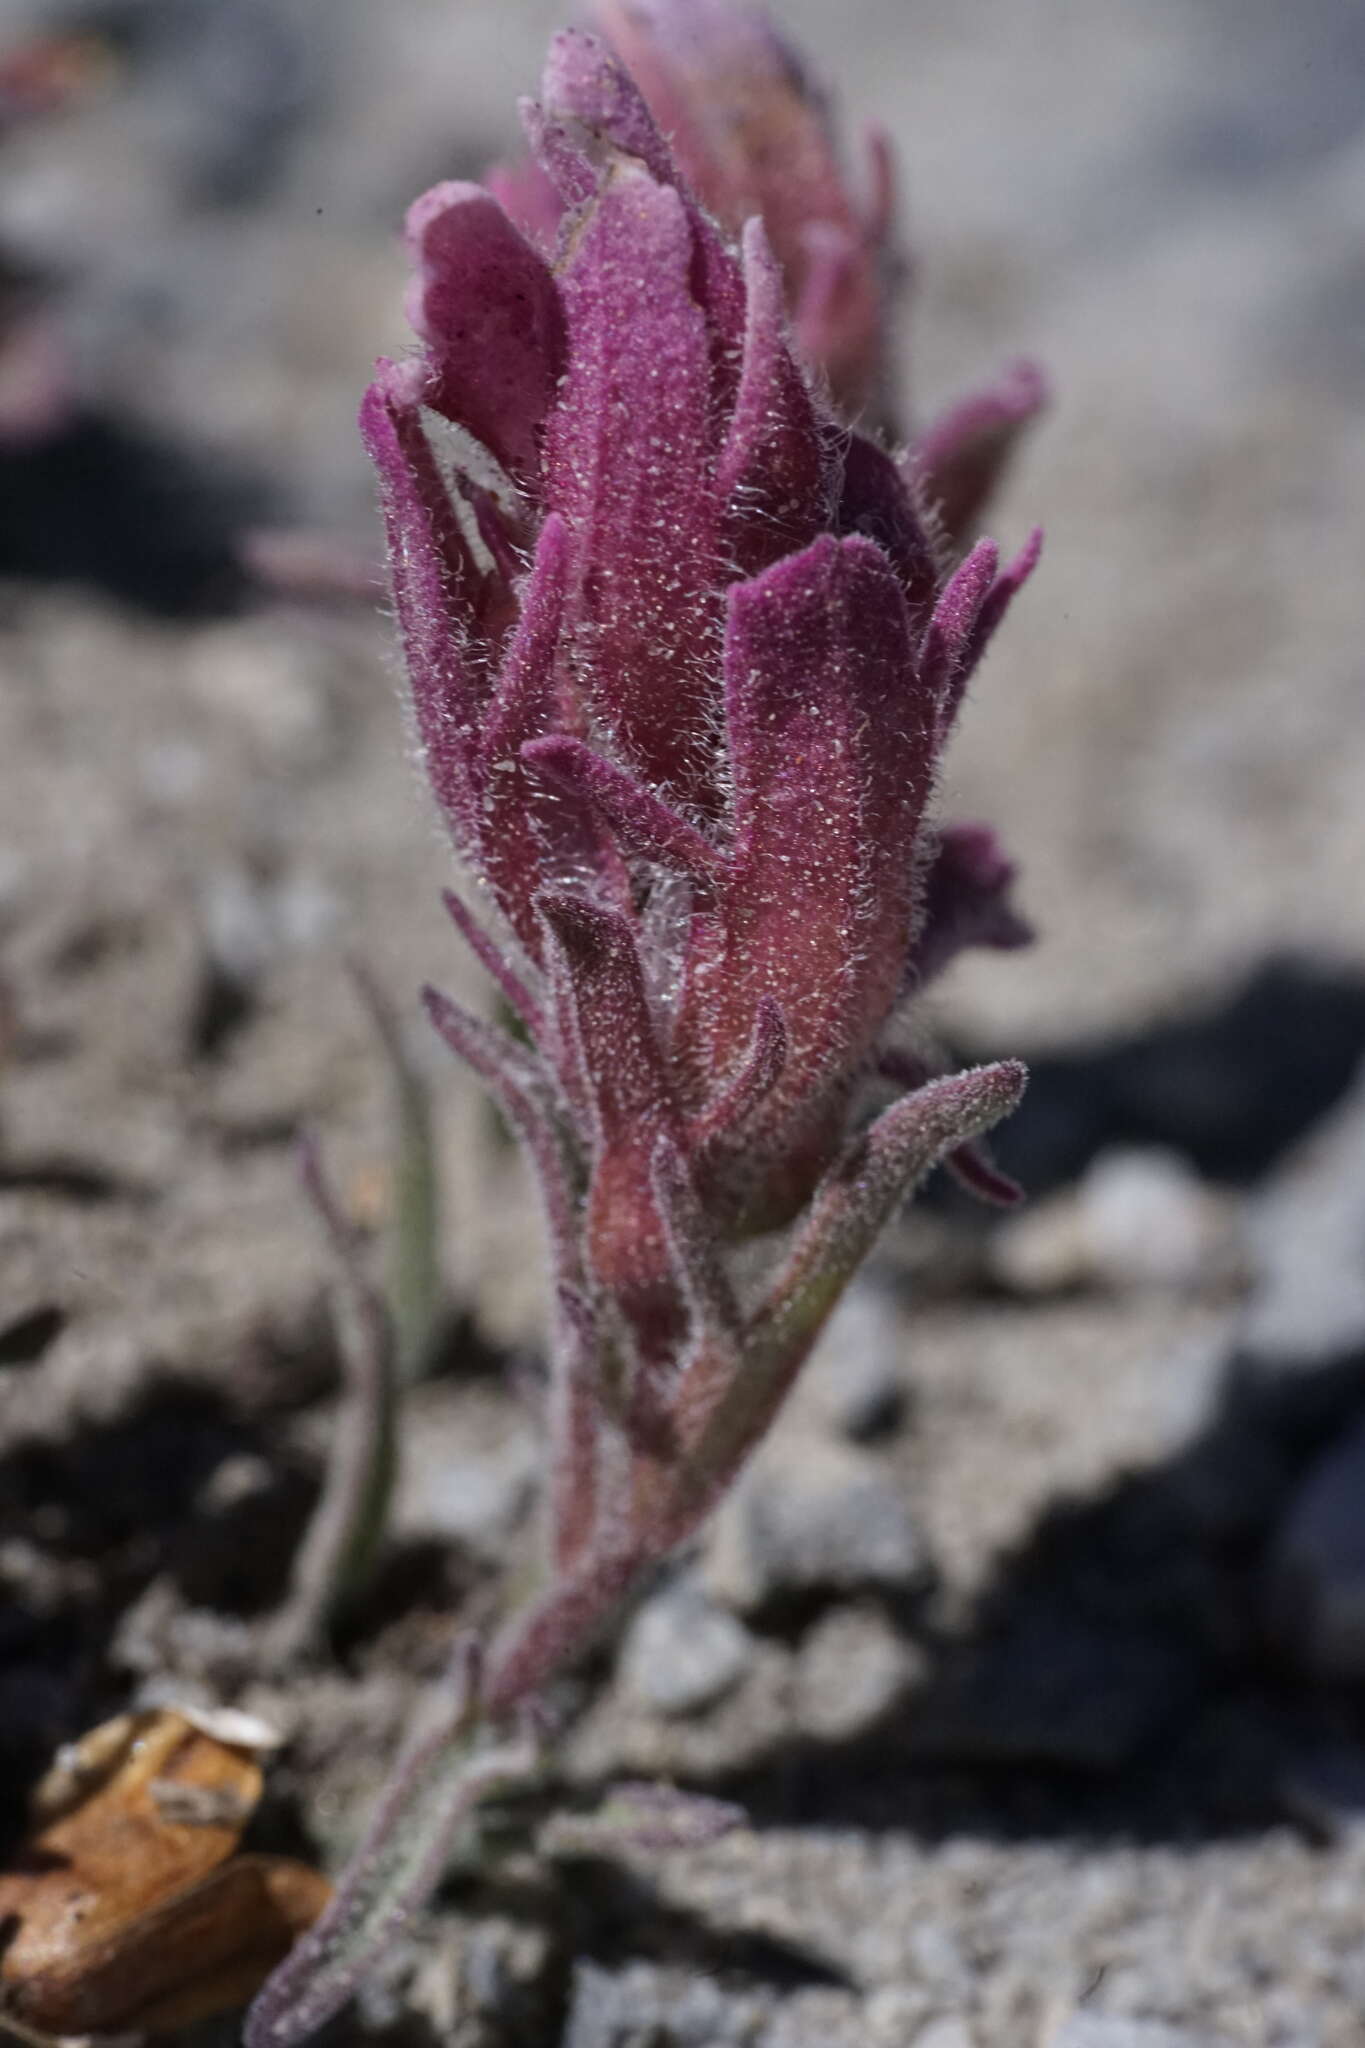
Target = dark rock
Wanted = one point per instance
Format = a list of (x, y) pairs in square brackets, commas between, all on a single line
[(1324, 1790), (1232, 1090), (1057, 1687), (1316, 1578), (99, 502)]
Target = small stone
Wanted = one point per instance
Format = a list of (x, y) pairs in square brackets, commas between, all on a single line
[(181, 1653), (499, 1972), (892, 2014), (1316, 1578), (1151, 1222), (852, 1672), (1140, 1217), (938, 1960), (1113, 2030), (1042, 1250), (854, 1380), (273, 683), (681, 1653), (475, 1496), (238, 1478), (646, 2007), (1307, 1235), (811, 1517), (239, 931), (596, 2010), (251, 921), (946, 2031)]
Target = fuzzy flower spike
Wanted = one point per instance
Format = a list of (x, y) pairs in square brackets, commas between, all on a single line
[(684, 660)]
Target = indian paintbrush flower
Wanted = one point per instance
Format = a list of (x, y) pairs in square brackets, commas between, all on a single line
[(684, 658), (684, 653)]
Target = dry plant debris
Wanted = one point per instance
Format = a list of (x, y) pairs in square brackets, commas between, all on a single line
[(128, 1909)]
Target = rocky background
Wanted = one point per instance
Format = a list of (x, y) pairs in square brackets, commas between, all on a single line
[(1034, 1643)]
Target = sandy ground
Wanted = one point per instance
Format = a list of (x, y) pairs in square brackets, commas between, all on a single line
[(1073, 1814)]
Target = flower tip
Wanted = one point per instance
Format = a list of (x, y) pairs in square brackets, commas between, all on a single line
[(1016, 574), (372, 405), (1032, 379), (1010, 1079), (388, 394), (430, 206), (433, 1002), (1024, 388), (1026, 561), (586, 85), (580, 926), (756, 245)]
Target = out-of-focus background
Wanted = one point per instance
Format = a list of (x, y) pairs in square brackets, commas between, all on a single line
[(1034, 1645)]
